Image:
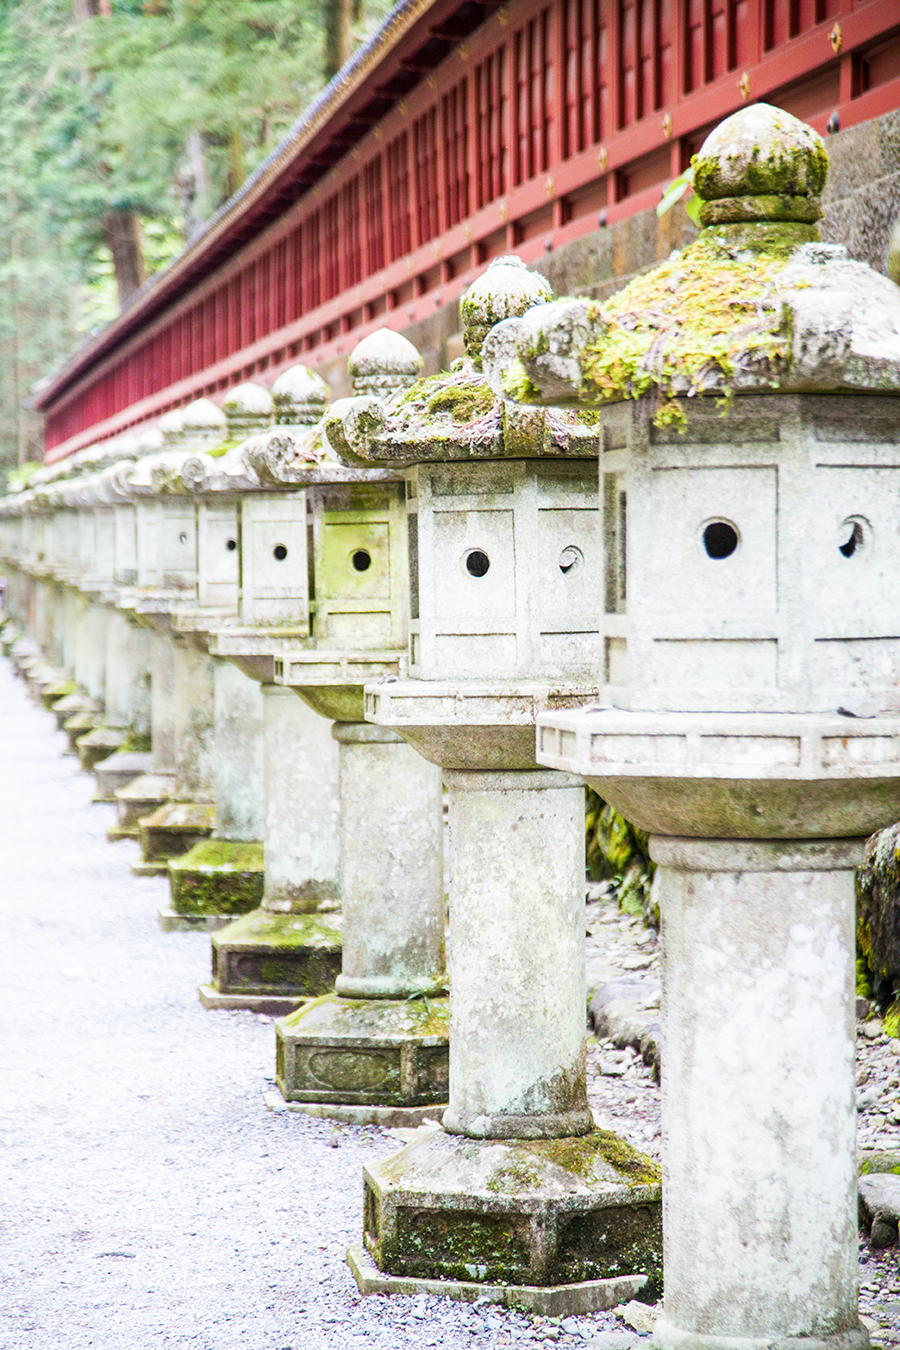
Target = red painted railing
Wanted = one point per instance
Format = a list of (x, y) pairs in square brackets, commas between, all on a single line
[(546, 116)]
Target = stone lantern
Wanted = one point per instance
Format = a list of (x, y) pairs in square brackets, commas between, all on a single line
[(517, 1188), (182, 682), (377, 1049), (282, 952), (750, 717)]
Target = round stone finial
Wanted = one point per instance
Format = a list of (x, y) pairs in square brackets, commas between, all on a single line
[(171, 426), (203, 425), (150, 441), (248, 408), (382, 362), (762, 163), (300, 396), (506, 290)]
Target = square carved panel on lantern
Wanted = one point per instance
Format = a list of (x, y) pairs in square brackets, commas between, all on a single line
[(274, 561), (359, 564), (504, 559), (218, 555), (750, 565), (176, 544)]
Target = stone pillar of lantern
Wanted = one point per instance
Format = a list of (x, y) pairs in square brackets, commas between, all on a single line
[(516, 1187), (750, 712), (284, 479)]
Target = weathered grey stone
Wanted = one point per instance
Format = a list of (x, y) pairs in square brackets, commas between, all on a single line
[(382, 363), (247, 408), (536, 1212), (879, 1207), (300, 396)]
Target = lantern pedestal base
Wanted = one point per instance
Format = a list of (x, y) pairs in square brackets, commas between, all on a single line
[(668, 1337), (139, 798), (281, 959), (560, 1300), (98, 745), (514, 1211), (365, 1052), (170, 832), (118, 770), (218, 876)]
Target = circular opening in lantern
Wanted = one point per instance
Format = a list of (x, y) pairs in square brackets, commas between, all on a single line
[(477, 563), (720, 539), (361, 560), (231, 545), (852, 535), (571, 560), (279, 552)]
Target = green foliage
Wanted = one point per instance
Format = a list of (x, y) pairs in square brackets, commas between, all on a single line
[(618, 851), (152, 112), (677, 189)]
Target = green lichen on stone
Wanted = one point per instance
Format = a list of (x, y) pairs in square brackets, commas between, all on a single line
[(672, 415), (517, 385), (619, 852), (680, 327), (464, 402), (598, 1230), (218, 876)]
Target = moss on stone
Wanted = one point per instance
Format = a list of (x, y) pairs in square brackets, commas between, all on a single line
[(878, 913), (680, 326), (218, 876), (464, 402)]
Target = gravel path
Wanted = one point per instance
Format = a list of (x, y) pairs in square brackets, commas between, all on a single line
[(147, 1198)]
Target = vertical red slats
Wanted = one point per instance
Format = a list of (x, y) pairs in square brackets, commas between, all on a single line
[(373, 199), (398, 196), (491, 100)]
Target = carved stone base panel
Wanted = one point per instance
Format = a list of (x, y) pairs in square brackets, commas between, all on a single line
[(366, 1052)]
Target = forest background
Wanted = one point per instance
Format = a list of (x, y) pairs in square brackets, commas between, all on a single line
[(124, 125)]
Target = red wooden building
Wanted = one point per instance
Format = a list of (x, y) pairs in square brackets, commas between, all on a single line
[(462, 130)]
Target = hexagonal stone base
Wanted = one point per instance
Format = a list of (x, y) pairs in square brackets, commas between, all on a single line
[(288, 956), (528, 1212), (69, 706), (218, 876), (174, 829), (559, 1300), (365, 1052)]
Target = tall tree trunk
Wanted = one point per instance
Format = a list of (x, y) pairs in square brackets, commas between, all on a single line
[(193, 183), (122, 229), (339, 15)]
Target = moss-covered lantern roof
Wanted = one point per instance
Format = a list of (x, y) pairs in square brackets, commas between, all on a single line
[(457, 415), (756, 303)]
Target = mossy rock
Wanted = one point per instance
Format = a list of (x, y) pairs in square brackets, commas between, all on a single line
[(618, 851), (878, 915)]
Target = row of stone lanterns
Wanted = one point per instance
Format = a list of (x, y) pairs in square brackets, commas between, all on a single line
[(708, 638)]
